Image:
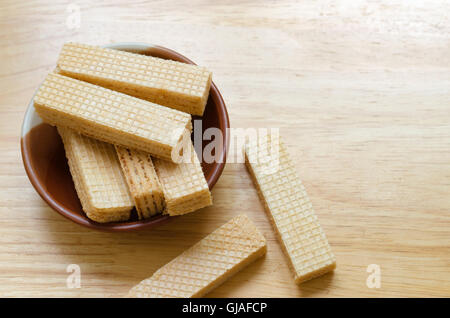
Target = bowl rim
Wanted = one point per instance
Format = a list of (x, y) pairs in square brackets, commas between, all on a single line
[(224, 123)]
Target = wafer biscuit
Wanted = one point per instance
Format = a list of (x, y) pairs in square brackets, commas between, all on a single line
[(207, 264), (184, 184), (289, 209), (97, 176), (143, 183), (173, 84), (110, 116)]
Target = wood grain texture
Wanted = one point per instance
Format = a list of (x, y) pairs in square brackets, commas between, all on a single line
[(360, 91)]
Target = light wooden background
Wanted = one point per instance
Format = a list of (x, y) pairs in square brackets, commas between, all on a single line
[(360, 91)]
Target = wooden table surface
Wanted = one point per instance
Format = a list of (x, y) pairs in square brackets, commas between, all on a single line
[(360, 92)]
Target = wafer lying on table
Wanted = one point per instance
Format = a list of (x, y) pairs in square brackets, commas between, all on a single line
[(207, 264), (173, 84), (97, 176), (184, 184), (110, 116), (289, 208), (137, 166)]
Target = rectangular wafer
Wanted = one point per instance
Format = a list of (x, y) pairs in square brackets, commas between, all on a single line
[(97, 176), (289, 208), (110, 116), (143, 183), (184, 184), (207, 264), (173, 84)]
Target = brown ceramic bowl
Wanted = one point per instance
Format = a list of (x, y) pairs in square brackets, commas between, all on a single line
[(46, 165)]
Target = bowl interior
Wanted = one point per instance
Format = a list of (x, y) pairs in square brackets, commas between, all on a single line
[(46, 165)]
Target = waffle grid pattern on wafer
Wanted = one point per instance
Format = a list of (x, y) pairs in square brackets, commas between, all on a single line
[(170, 83), (110, 116), (206, 264), (97, 177), (289, 209), (184, 184)]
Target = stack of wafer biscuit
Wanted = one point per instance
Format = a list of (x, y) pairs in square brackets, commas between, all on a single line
[(123, 119), (117, 112)]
